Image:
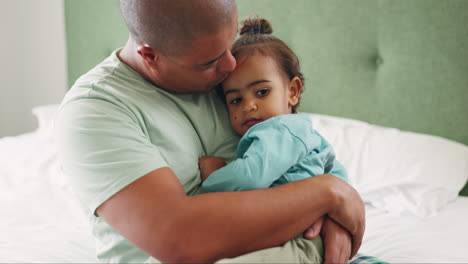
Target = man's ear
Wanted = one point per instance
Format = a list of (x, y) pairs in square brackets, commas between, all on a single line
[(148, 54), (294, 91)]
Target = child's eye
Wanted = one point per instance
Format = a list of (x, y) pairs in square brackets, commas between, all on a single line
[(235, 101), (262, 92)]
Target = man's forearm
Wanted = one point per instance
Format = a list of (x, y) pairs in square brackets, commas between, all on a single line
[(222, 225), (156, 215)]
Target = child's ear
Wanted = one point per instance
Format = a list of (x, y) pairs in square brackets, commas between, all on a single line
[(148, 54), (294, 91)]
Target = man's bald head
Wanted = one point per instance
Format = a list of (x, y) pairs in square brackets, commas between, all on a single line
[(170, 25)]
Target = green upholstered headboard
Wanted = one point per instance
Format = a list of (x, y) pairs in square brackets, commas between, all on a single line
[(394, 63)]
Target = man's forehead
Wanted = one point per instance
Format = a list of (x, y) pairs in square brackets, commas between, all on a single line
[(213, 46)]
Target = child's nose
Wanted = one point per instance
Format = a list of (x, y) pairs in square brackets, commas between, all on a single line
[(249, 106)]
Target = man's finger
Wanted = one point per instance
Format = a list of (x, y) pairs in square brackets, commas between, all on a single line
[(311, 233), (357, 241), (314, 230)]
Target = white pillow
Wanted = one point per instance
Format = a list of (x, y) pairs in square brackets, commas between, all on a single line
[(45, 115), (402, 172)]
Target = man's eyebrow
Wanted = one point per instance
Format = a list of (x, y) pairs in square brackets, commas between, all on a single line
[(212, 61), (248, 86)]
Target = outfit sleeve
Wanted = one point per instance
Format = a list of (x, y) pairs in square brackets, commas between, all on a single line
[(320, 160), (264, 154), (331, 164), (102, 149), (339, 171)]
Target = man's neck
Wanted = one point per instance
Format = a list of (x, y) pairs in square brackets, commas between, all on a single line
[(127, 56)]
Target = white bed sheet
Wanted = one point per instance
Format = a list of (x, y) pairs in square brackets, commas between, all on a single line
[(40, 222), (442, 238)]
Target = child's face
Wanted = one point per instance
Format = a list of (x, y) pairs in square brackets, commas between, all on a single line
[(258, 90)]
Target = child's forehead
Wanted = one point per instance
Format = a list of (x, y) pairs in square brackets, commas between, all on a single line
[(256, 60), (259, 63), (253, 69)]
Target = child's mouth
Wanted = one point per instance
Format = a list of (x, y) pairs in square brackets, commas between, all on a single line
[(251, 122)]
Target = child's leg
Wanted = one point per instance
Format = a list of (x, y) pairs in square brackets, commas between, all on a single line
[(297, 250)]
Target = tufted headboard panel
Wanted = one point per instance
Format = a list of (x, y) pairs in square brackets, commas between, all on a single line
[(394, 63)]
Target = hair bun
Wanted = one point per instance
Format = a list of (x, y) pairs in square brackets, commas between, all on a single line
[(251, 26)]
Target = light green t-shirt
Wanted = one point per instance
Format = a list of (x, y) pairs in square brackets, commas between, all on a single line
[(114, 127)]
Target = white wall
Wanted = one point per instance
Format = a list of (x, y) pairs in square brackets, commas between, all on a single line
[(32, 60)]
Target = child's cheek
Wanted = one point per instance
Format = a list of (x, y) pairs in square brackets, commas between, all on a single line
[(232, 114)]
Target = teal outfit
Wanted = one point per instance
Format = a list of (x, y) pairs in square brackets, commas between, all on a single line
[(279, 150)]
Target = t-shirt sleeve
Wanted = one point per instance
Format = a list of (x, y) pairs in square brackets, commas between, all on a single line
[(102, 148)]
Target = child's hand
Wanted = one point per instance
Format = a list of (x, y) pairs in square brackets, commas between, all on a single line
[(208, 165)]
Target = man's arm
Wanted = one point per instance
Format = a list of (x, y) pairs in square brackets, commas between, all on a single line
[(156, 215)]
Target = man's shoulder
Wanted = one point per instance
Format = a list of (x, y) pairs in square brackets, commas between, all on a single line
[(100, 71), (87, 83), (109, 82)]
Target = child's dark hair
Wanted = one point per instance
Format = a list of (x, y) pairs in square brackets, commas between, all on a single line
[(255, 36)]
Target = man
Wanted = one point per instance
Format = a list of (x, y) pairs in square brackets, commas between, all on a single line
[(130, 133)]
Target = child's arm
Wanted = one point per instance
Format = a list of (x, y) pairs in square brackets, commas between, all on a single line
[(339, 170), (331, 164), (267, 155), (208, 165)]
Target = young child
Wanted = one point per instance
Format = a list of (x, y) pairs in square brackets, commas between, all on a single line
[(278, 145)]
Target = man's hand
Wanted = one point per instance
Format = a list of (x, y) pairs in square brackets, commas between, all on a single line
[(350, 214), (336, 239), (208, 165), (352, 210), (337, 242)]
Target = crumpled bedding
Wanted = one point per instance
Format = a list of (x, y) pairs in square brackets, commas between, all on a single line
[(41, 221)]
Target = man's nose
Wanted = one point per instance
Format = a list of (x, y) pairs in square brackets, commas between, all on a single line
[(228, 63)]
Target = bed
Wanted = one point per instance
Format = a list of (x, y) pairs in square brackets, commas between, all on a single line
[(41, 222), (386, 84)]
